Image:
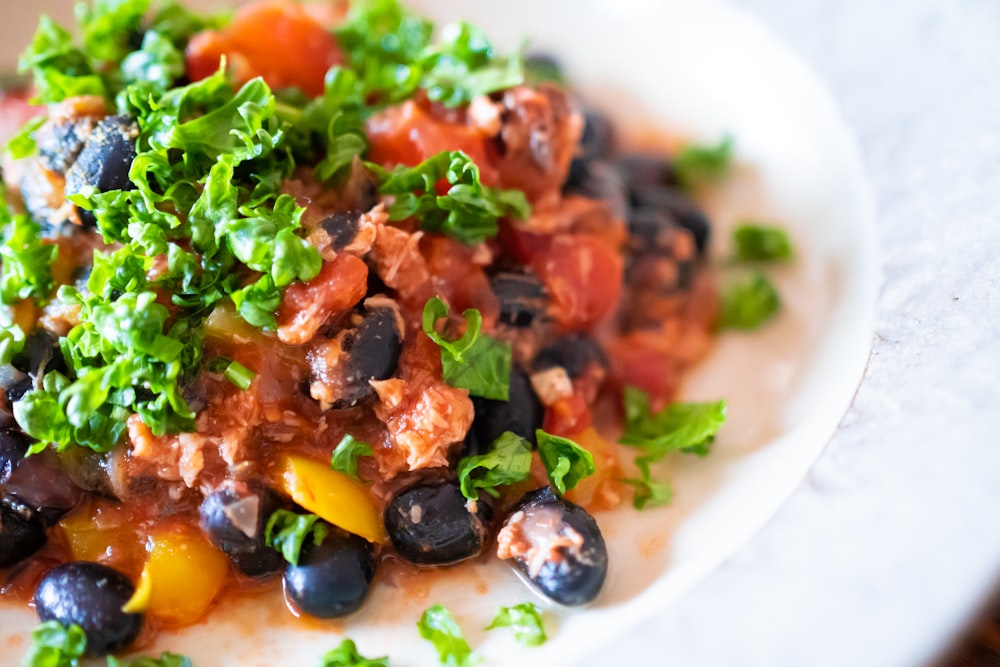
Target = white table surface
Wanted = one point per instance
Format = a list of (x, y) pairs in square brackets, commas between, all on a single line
[(891, 544)]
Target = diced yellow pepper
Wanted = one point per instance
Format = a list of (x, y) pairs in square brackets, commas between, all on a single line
[(601, 490), (185, 574), (98, 531), (335, 497)]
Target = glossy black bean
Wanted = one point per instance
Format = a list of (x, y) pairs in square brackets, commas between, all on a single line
[(90, 595), (341, 227), (40, 354), (641, 170), (373, 351), (21, 532), (597, 179), (562, 551), (39, 480), (332, 579), (679, 206), (521, 413), (431, 524), (105, 158), (598, 138), (16, 391), (575, 353), (522, 298), (234, 518)]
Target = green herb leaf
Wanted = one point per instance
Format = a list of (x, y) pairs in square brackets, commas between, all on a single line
[(697, 165), (475, 361), (761, 243), (437, 626), (234, 371), (286, 531), (22, 144), (158, 62), (59, 68), (346, 454), (749, 304), (507, 462), (526, 619), (684, 427), (109, 26), (467, 212), (346, 655), (53, 645), (565, 461), (465, 65), (167, 659), (26, 268)]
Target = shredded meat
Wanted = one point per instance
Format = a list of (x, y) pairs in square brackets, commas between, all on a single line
[(423, 415)]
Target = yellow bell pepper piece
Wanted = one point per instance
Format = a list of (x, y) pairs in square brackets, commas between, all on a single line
[(99, 532), (185, 574), (335, 497)]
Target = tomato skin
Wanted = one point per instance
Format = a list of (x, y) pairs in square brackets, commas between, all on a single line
[(339, 285), (567, 416), (275, 39), (583, 276)]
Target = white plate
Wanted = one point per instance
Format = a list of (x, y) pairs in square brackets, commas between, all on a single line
[(700, 69)]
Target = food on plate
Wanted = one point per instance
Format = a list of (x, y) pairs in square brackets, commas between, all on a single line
[(305, 293)]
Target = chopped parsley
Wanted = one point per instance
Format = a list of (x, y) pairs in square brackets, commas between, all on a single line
[(761, 243), (346, 454), (507, 462), (437, 626), (748, 303), (26, 268), (287, 532), (167, 659), (565, 461), (467, 212), (476, 361), (525, 619), (53, 645), (683, 427), (697, 165), (346, 655)]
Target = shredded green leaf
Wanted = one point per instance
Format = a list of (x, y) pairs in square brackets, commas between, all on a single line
[(26, 270), (346, 655), (565, 461), (437, 626), (761, 243), (697, 165), (166, 659), (287, 532), (346, 454), (467, 212), (748, 304), (507, 462), (683, 427), (525, 619), (53, 645), (476, 361)]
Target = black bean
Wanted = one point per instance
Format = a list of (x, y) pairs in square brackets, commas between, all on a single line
[(521, 413), (332, 579), (522, 298), (597, 140), (59, 144), (641, 170), (431, 524), (38, 481), (40, 354), (575, 353), (21, 532), (90, 595), (679, 207), (597, 179), (106, 157), (559, 547), (16, 391), (235, 517), (341, 227)]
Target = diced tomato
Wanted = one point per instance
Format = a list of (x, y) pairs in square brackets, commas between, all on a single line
[(15, 112), (275, 39), (456, 277), (642, 362), (583, 276), (567, 416), (408, 135), (339, 285)]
